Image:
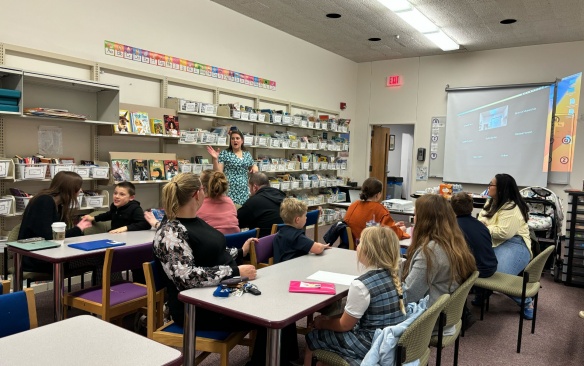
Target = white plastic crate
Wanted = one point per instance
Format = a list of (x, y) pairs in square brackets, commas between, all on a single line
[(260, 141), (275, 142), (322, 183), (305, 166), (21, 203), (82, 170), (4, 168), (285, 144), (264, 167), (276, 118), (31, 171), (291, 165), (99, 172), (286, 120), (93, 201), (6, 205), (295, 184), (306, 183), (275, 185), (303, 145), (281, 167), (285, 186), (55, 168), (294, 144), (248, 140), (253, 116)]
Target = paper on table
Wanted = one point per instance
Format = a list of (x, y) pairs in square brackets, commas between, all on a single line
[(338, 278)]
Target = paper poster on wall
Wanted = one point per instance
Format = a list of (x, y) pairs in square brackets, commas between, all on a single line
[(50, 140), (437, 133), (153, 58), (422, 173)]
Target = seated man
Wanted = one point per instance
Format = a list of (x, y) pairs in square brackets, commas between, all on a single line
[(262, 209)]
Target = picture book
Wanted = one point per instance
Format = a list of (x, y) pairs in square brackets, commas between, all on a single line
[(121, 170), (140, 170), (171, 125), (170, 168), (123, 122), (156, 169), (140, 122), (156, 126)]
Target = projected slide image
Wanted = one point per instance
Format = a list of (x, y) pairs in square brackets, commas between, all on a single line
[(493, 118)]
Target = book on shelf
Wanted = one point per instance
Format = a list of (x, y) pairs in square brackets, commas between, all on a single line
[(140, 170), (156, 126), (123, 121), (170, 168), (171, 125), (156, 169), (121, 170), (140, 122)]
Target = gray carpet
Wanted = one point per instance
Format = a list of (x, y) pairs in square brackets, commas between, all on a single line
[(558, 338)]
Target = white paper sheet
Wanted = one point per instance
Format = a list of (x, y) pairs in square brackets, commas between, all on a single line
[(338, 278)]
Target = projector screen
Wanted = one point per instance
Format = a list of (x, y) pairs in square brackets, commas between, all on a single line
[(490, 131)]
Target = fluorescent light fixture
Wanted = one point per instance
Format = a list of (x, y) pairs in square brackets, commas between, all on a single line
[(441, 40), (421, 23)]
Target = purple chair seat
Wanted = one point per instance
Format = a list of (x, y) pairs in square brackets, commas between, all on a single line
[(120, 292), (265, 249)]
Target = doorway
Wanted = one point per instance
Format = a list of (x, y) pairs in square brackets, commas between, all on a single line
[(379, 154)]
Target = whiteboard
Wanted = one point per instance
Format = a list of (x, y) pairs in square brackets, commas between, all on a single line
[(437, 137)]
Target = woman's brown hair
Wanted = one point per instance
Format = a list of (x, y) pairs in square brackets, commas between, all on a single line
[(66, 185), (214, 182), (370, 187), (178, 192), (436, 221)]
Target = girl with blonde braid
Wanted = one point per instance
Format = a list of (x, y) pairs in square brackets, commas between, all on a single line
[(375, 300)]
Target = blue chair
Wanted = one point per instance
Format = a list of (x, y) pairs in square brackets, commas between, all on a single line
[(171, 334), (236, 240), (17, 312), (311, 219)]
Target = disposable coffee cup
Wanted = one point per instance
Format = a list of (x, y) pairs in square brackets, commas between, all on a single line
[(59, 232)]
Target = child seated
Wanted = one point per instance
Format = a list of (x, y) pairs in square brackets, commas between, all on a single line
[(290, 242), (375, 300), (125, 213)]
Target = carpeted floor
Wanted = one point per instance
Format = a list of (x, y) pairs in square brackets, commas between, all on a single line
[(558, 338)]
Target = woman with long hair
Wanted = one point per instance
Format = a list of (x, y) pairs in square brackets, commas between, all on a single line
[(369, 209), (438, 259), (58, 203), (506, 214), (236, 162)]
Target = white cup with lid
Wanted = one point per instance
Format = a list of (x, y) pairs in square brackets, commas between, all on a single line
[(59, 232)]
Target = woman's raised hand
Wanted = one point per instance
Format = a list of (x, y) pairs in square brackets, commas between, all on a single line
[(84, 224), (248, 271), (214, 153)]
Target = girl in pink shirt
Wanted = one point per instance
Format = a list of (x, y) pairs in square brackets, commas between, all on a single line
[(218, 210)]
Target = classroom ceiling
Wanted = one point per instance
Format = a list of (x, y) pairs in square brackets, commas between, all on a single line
[(473, 24)]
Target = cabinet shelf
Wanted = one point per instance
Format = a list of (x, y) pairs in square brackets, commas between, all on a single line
[(68, 120)]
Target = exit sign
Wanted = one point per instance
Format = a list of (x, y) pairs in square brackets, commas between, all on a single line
[(394, 80)]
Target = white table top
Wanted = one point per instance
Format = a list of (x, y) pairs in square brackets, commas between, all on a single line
[(84, 340), (64, 253), (276, 307)]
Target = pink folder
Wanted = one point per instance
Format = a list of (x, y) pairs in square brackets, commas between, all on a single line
[(312, 287)]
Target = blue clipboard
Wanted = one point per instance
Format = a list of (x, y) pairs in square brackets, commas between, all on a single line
[(97, 244)]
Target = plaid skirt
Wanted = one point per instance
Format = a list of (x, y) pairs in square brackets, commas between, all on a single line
[(351, 345)]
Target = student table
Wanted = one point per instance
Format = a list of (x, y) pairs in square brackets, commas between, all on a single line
[(275, 308), (84, 340), (60, 255)]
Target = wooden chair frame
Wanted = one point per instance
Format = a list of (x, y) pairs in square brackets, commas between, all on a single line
[(5, 286)]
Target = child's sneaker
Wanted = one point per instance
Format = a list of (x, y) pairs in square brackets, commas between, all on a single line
[(528, 312)]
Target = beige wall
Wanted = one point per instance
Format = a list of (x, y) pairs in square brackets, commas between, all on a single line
[(422, 96)]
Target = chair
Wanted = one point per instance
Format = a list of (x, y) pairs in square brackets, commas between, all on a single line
[(262, 252), (5, 286), (236, 240), (347, 236), (312, 219), (518, 286), (17, 312), (171, 334), (453, 311), (276, 228), (412, 345), (31, 277), (114, 300)]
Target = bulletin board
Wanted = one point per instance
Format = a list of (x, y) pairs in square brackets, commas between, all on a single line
[(437, 137)]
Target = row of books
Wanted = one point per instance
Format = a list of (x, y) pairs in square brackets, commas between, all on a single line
[(143, 170), (138, 122)]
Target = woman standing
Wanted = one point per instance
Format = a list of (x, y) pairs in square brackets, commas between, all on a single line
[(370, 210), (235, 162), (438, 259), (58, 203), (506, 214)]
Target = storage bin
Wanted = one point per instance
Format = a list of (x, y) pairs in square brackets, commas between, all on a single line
[(294, 144), (82, 170), (93, 201), (291, 165), (285, 186), (31, 171), (275, 185), (306, 183), (295, 184), (5, 205), (286, 120), (55, 168), (276, 118), (99, 172), (4, 167)]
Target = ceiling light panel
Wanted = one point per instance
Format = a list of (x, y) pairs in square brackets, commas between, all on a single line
[(441, 40)]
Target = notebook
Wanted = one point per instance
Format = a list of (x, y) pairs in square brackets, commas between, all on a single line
[(96, 244), (312, 287), (36, 245)]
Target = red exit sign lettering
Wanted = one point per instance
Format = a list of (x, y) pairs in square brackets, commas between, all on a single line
[(394, 80)]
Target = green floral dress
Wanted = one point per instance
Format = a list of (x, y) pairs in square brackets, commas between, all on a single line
[(236, 170)]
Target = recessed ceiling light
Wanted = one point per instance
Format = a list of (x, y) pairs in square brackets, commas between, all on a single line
[(333, 15), (508, 21), (375, 39)]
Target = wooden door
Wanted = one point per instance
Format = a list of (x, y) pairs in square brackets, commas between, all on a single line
[(379, 152)]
